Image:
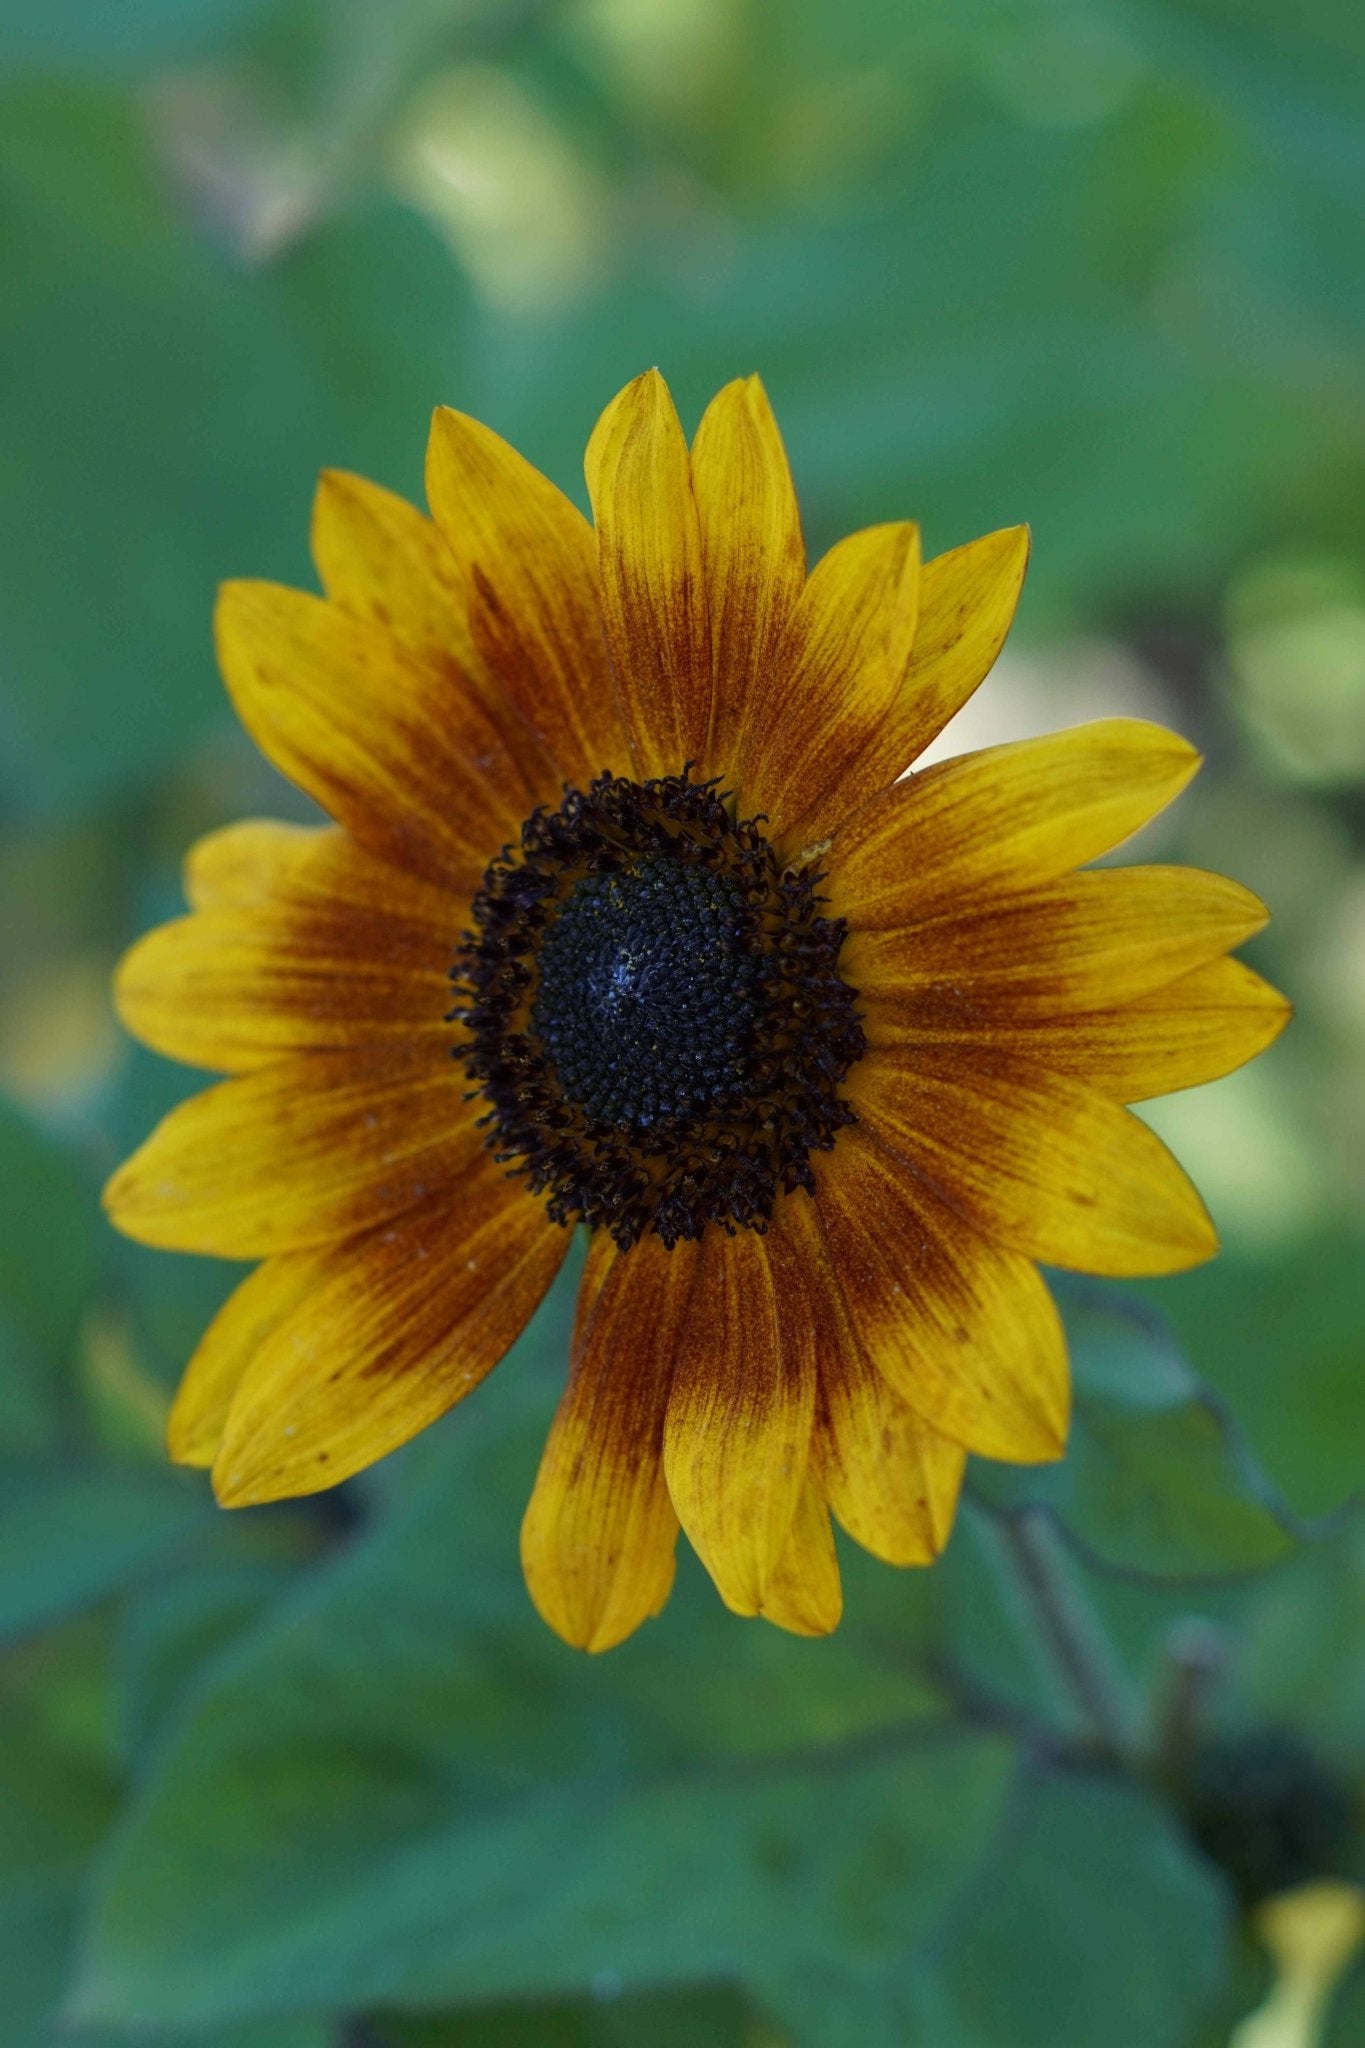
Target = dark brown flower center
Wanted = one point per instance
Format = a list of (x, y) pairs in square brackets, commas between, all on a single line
[(651, 1007), (648, 995)]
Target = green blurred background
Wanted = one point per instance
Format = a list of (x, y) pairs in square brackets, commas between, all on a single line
[(316, 1775)]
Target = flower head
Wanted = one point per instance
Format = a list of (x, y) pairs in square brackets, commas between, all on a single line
[(630, 917)]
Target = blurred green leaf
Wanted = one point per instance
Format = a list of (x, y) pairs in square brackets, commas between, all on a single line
[(978, 1633), (29, 1394), (1345, 2022), (1013, 355), (56, 1804), (54, 1808), (717, 2019), (166, 418), (1302, 1658), (1299, 79), (1157, 1479), (73, 35), (1094, 1922), (834, 1865), (47, 1244), (69, 1538), (389, 1767), (1280, 1336), (170, 1630)]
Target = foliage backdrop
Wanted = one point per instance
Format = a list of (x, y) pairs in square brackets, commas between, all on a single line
[(316, 1774)]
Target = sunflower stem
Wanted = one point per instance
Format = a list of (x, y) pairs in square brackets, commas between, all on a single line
[(1195, 1659), (1077, 1642)]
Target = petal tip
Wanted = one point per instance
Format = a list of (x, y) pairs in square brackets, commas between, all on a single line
[(452, 434), (1044, 1443), (1257, 912), (234, 593), (247, 1486), (1273, 1013), (186, 1446), (601, 1640), (332, 483), (650, 383), (756, 395), (245, 610), (572, 1631), (1175, 760), (120, 1199), (592, 1633), (1202, 1244), (229, 1491), (810, 1626), (1240, 912), (123, 987), (1159, 739)]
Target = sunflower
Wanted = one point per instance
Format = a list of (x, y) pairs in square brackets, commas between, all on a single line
[(629, 917)]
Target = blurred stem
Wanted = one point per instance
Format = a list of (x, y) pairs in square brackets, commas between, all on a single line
[(1076, 1640), (1196, 1656)]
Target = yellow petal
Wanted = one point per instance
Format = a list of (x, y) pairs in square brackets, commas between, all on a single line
[(967, 600), (652, 578), (598, 1540), (737, 1439), (804, 1594), (964, 1330), (238, 864), (1036, 1159), (312, 1148), (237, 989), (834, 676), (1007, 817), (967, 606), (1088, 942), (753, 557), (891, 1480), (1188, 1032), (260, 860), (1197, 1029), (528, 561), (391, 745), (402, 1327), (382, 560), (251, 1313)]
